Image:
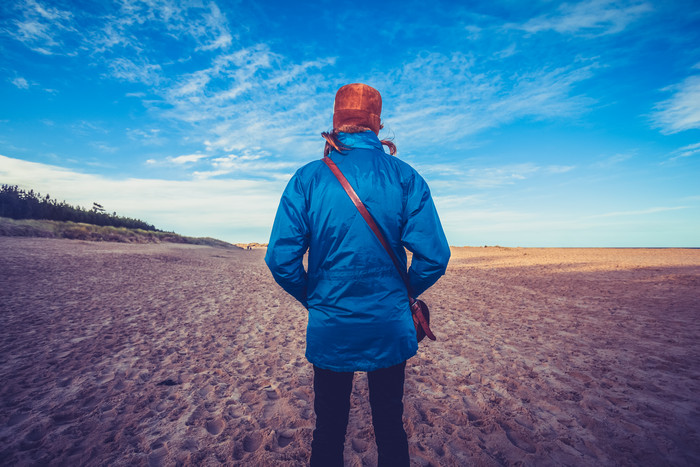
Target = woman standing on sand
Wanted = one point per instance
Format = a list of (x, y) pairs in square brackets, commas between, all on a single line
[(359, 316)]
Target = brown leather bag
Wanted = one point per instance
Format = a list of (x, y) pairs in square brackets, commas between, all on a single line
[(419, 310)]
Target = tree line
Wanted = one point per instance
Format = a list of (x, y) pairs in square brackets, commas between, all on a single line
[(20, 204)]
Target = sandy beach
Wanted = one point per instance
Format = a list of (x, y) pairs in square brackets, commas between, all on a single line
[(166, 354)]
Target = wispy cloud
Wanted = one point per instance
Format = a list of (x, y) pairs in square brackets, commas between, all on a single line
[(249, 97), (485, 177), (88, 128), (560, 169), (682, 110), (128, 70), (104, 146), (252, 166), (40, 26), (589, 18), (196, 21), (229, 96), (146, 136), (686, 151), (498, 176), (612, 161), (232, 98), (215, 34), (21, 83), (448, 97), (186, 159), (253, 163)]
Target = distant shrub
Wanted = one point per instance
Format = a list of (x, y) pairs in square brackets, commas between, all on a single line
[(80, 231), (15, 229)]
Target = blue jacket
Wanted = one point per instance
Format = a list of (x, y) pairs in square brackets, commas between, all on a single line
[(359, 317)]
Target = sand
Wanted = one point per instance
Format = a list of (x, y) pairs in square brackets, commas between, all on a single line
[(164, 354)]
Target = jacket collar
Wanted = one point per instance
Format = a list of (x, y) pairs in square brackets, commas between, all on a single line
[(364, 140)]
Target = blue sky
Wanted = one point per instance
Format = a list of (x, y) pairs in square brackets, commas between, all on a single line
[(535, 123)]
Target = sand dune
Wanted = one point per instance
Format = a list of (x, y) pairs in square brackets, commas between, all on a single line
[(169, 354)]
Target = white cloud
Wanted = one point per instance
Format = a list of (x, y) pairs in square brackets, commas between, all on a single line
[(686, 151), (440, 97), (560, 169), (216, 25), (39, 27), (545, 93), (491, 177), (20, 83), (255, 165), (455, 204), (591, 18), (146, 136), (612, 161), (131, 28), (197, 25), (249, 98), (484, 177), (232, 99), (221, 42), (88, 128), (48, 13), (682, 110), (231, 209), (104, 146), (125, 69), (229, 99), (186, 159)]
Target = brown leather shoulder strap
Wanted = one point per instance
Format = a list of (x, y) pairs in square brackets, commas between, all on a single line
[(370, 221)]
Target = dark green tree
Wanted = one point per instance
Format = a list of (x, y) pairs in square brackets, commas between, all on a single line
[(21, 204)]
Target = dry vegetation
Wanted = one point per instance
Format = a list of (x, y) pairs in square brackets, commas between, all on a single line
[(100, 233)]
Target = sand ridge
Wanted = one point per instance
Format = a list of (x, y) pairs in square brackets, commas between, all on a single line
[(168, 354)]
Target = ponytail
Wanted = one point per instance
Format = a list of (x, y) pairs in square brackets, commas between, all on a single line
[(389, 144), (332, 142)]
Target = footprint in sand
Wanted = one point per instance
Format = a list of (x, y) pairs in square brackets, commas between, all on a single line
[(285, 438), (196, 415), (475, 419), (359, 445), (306, 413), (271, 392), (105, 378), (33, 439), (190, 444), (62, 418), (517, 439), (269, 411), (252, 442), (158, 457), (215, 426)]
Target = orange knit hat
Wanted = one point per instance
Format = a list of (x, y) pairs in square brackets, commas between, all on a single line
[(357, 104)]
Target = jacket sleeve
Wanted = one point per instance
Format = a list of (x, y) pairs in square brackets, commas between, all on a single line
[(289, 241), (423, 235)]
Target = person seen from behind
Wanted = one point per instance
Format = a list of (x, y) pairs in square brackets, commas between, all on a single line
[(359, 317)]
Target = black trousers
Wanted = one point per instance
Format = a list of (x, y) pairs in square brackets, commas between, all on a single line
[(332, 405)]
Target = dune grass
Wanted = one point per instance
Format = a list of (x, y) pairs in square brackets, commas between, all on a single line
[(90, 232)]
